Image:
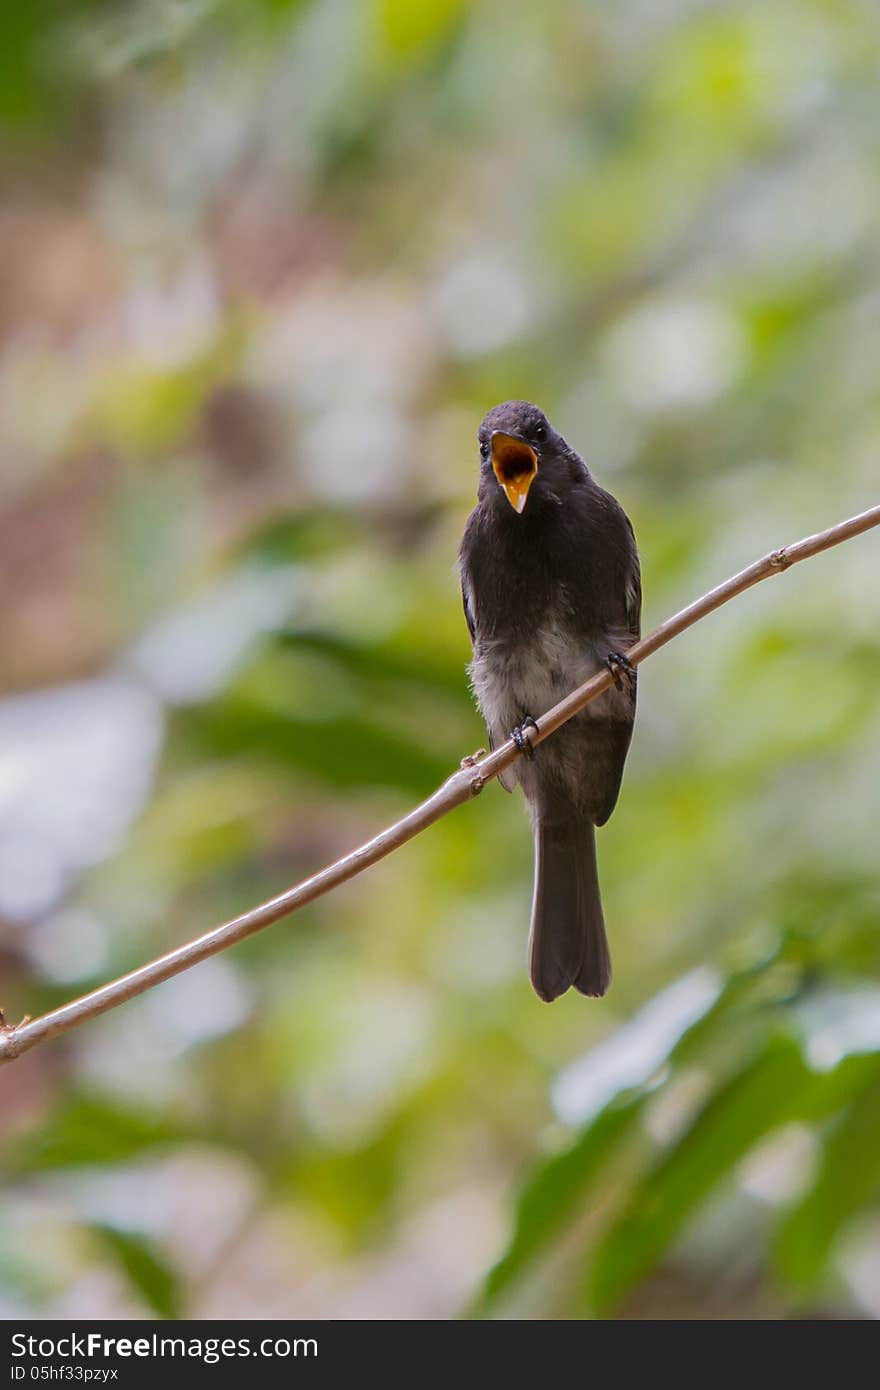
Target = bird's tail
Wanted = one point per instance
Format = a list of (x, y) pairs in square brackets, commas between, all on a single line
[(567, 944)]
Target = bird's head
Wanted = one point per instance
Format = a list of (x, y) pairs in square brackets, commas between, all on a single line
[(517, 445)]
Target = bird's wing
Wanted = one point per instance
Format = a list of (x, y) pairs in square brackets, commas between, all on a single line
[(508, 777), (468, 612), (633, 587)]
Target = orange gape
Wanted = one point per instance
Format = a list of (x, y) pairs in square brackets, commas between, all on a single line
[(516, 464)]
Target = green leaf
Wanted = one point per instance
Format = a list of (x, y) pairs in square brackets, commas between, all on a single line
[(418, 668), (85, 1130), (37, 79), (848, 1179), (343, 752), (841, 1086), (410, 30), (145, 1269), (562, 1182), (761, 1097), (144, 409), (316, 533), (556, 1192)]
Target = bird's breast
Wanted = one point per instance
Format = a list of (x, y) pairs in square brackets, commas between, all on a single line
[(513, 678)]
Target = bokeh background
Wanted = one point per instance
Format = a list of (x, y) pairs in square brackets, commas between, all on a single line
[(262, 269)]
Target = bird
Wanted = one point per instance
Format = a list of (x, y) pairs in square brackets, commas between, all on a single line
[(551, 589)]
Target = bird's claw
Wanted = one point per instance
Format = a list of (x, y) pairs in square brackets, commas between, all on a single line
[(518, 735), (617, 662)]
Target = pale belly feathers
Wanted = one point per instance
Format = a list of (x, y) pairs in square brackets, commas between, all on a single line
[(512, 682)]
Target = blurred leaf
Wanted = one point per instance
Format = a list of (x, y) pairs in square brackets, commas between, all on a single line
[(315, 532), (140, 408), (386, 661), (556, 1193), (37, 80), (343, 753), (411, 29), (848, 1180), (354, 1186), (146, 1270), (86, 1130), (759, 1099), (714, 77)]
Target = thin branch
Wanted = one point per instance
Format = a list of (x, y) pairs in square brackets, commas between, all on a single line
[(462, 786)]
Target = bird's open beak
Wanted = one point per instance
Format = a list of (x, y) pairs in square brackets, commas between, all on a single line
[(516, 464)]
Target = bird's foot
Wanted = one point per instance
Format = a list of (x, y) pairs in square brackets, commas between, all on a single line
[(471, 759), (522, 741), (618, 662)]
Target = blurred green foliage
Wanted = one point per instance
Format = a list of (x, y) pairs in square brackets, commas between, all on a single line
[(262, 270)]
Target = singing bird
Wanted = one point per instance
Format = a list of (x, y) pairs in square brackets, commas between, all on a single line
[(552, 594)]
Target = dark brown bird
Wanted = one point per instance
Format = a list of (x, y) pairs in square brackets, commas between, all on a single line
[(552, 594)]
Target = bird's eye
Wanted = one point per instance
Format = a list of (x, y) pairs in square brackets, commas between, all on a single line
[(540, 433), (484, 449)]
